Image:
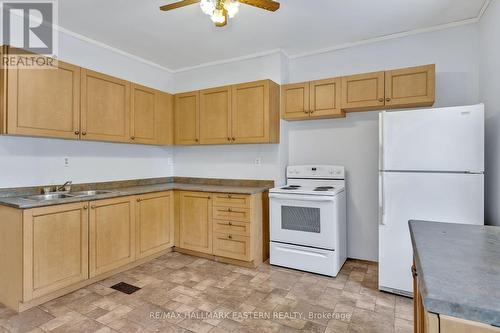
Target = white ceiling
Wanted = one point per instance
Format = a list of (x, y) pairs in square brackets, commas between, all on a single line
[(186, 37)]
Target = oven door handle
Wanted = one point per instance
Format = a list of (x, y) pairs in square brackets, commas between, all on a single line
[(300, 197)]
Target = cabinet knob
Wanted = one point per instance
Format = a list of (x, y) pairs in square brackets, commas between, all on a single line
[(229, 236), (230, 223), (196, 140), (233, 139), (77, 132), (138, 200), (92, 207), (229, 196), (132, 137), (228, 139), (380, 99), (388, 99), (85, 207), (306, 111), (84, 133)]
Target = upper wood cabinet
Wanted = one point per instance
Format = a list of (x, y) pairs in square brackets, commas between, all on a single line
[(55, 245), (243, 113), (187, 118), (295, 101), (255, 112), (112, 234), (363, 91), (215, 116), (105, 107), (195, 221), (44, 102), (315, 99), (410, 87), (151, 120)]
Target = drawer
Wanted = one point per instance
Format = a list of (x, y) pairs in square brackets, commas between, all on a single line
[(230, 213), (231, 200), (232, 246), (231, 227)]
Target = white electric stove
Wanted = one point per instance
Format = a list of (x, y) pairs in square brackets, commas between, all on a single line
[(308, 220)]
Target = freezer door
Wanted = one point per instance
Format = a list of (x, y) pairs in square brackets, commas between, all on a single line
[(446, 139), (456, 198)]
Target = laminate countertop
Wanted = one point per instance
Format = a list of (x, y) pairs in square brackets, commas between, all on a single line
[(458, 268), (17, 200)]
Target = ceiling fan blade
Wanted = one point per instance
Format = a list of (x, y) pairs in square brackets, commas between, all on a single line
[(178, 4), (264, 4)]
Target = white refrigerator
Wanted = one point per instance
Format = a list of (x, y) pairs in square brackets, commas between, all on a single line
[(431, 165)]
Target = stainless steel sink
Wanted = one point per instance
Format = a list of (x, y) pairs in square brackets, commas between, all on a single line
[(48, 197), (90, 193)]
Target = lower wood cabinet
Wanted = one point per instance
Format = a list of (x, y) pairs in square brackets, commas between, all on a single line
[(227, 226), (154, 223), (195, 221), (55, 244), (112, 234)]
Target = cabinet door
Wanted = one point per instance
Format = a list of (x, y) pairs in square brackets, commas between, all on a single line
[(295, 101), (165, 119), (143, 115), (363, 92), (326, 98), (187, 115), (44, 102), (55, 248), (250, 112), (155, 223), (105, 108), (215, 116), (195, 221), (112, 234), (410, 87)]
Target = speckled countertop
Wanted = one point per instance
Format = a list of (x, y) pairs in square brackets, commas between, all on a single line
[(459, 269), (15, 197)]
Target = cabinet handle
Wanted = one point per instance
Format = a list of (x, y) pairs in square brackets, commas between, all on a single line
[(229, 236), (380, 99), (77, 132), (388, 99), (85, 207), (228, 210)]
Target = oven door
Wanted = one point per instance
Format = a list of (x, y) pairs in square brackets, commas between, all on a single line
[(307, 220)]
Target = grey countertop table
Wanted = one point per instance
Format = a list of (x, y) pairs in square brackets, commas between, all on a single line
[(458, 267)]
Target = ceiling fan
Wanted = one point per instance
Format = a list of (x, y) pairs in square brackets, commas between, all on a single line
[(220, 10)]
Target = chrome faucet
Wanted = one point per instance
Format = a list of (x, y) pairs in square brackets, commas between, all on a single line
[(66, 187)]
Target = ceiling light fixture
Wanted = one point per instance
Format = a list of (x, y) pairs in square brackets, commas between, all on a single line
[(222, 10)]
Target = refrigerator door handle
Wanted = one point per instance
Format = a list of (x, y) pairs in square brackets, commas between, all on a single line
[(381, 199), (381, 140)]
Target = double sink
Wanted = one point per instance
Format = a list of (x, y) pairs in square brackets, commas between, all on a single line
[(65, 195)]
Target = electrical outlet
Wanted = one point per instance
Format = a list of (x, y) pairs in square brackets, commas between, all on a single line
[(258, 161), (66, 162)]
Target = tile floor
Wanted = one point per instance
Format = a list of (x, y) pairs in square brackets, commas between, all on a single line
[(181, 293)]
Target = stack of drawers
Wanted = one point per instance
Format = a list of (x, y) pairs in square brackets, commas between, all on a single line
[(232, 227)]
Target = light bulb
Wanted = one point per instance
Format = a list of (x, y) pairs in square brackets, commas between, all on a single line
[(207, 6), (218, 16), (232, 7)]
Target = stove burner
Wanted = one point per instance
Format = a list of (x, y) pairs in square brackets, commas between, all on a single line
[(324, 188)]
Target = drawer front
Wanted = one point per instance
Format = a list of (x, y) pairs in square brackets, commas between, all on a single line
[(232, 246), (231, 200), (230, 213), (232, 227)]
